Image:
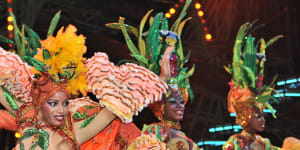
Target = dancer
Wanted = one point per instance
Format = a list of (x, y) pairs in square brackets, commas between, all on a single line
[(160, 40), (37, 98), (248, 96)]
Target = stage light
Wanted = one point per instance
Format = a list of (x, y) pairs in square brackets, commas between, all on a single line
[(200, 13), (10, 27), (167, 15), (208, 36), (9, 18), (172, 11), (197, 5)]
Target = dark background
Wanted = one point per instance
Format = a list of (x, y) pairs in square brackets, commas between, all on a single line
[(209, 82)]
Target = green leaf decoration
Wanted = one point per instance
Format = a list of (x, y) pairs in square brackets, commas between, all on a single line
[(128, 40), (11, 100), (181, 16), (141, 42), (28, 133), (22, 147), (87, 121), (164, 24), (33, 41), (35, 63), (43, 139), (46, 54), (157, 132), (191, 94), (142, 60), (53, 24), (145, 127), (181, 25), (273, 40), (6, 40), (34, 146), (129, 28), (153, 37)]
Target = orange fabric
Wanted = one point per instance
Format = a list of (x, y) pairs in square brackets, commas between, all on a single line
[(115, 136)]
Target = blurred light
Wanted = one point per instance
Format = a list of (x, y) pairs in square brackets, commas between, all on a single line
[(227, 127), (181, 1), (10, 27), (265, 111), (172, 11), (17, 135), (205, 29), (208, 36), (203, 21), (197, 5), (9, 18), (200, 13), (168, 15), (10, 45), (176, 5), (9, 9), (287, 95), (288, 81), (10, 36), (213, 143), (8, 1)]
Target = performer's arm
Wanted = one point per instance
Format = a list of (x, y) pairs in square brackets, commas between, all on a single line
[(101, 120)]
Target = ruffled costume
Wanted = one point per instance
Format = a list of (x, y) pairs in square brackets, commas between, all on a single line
[(162, 53), (247, 92), (56, 64)]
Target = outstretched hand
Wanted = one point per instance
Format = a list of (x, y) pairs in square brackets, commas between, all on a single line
[(165, 64)]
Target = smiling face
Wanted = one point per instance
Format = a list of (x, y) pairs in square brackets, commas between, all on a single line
[(55, 109), (257, 121), (174, 107)]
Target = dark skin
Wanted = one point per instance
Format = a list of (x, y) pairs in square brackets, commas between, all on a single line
[(174, 107), (256, 123)]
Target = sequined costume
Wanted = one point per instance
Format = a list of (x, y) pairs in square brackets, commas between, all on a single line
[(161, 51), (247, 94), (44, 67)]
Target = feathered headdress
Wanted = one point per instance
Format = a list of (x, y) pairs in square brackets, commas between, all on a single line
[(247, 70), (151, 52), (58, 58)]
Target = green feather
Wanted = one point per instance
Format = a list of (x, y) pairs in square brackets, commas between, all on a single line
[(6, 40), (11, 100), (128, 40), (273, 40), (129, 28), (141, 42), (38, 65), (181, 16), (142, 60), (53, 24)]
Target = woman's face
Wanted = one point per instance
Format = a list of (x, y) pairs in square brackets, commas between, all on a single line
[(257, 121), (174, 107), (55, 109)]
